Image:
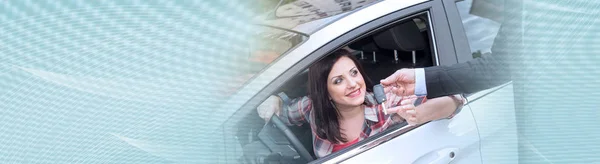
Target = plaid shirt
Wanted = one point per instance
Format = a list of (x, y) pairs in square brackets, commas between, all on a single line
[(298, 111)]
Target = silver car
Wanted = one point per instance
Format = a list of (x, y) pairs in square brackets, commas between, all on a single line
[(172, 82), (385, 36)]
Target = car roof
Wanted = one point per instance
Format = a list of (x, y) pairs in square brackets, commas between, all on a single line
[(307, 16)]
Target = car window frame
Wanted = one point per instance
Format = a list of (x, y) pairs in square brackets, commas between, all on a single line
[(462, 45), (440, 33), (459, 36)]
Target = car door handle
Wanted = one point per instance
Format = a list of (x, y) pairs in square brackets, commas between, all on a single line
[(445, 155)]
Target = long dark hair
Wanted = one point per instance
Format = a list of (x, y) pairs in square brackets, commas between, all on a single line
[(326, 115)]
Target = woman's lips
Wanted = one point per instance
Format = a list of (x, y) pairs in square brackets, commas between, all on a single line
[(354, 93)]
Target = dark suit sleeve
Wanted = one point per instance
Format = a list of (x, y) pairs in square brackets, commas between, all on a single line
[(464, 78)]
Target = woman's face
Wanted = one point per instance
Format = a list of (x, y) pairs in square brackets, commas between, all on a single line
[(345, 84)]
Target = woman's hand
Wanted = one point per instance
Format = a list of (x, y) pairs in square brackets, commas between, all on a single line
[(407, 110), (433, 109), (270, 106)]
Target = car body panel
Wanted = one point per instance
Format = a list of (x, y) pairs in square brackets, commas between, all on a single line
[(494, 108), (494, 112), (430, 143)]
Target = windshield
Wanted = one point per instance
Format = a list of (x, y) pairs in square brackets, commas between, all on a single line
[(267, 44)]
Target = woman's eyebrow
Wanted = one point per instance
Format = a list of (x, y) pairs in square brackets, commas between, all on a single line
[(352, 68), (332, 78), (341, 75)]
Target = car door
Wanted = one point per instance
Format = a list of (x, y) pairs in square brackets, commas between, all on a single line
[(474, 32), (442, 141)]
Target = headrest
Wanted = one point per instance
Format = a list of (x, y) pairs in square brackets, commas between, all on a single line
[(405, 37), (370, 47), (365, 44)]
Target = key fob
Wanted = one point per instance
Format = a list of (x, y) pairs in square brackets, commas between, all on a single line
[(379, 93)]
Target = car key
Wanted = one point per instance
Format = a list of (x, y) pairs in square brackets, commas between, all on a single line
[(380, 96)]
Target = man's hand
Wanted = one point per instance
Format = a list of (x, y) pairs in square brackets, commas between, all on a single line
[(401, 83)]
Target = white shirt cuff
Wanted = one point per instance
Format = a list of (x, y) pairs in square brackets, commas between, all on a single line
[(420, 83)]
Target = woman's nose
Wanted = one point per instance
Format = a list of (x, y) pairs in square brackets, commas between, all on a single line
[(352, 83)]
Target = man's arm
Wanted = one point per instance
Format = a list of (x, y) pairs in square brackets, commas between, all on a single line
[(485, 72), (469, 77), (463, 78)]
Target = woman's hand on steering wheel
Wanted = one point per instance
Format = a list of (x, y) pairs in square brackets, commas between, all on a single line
[(270, 106)]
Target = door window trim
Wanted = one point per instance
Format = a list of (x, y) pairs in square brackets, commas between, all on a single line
[(462, 45), (459, 36)]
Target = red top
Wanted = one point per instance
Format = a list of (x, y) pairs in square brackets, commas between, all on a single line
[(337, 147)]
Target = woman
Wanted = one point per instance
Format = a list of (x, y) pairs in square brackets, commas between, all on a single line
[(341, 109)]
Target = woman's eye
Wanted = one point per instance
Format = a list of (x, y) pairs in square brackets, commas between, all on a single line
[(337, 81), (354, 72)]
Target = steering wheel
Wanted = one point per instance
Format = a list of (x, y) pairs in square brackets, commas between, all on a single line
[(291, 137)]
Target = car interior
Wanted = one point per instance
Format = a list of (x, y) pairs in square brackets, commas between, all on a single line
[(404, 44)]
